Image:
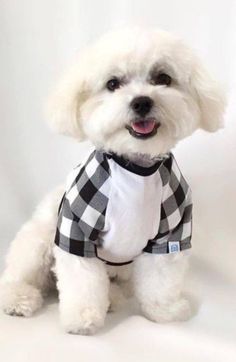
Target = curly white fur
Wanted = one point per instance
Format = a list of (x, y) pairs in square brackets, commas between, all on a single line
[(83, 108)]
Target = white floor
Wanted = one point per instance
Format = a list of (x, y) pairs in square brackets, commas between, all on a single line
[(127, 336)]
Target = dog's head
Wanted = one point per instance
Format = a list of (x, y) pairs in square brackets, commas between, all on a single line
[(136, 91)]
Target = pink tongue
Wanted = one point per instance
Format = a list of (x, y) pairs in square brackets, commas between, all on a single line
[(143, 127)]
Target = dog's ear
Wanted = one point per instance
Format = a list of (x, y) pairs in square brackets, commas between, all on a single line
[(210, 97), (63, 106)]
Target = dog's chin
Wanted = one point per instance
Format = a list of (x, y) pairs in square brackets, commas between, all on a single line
[(132, 140), (143, 128)]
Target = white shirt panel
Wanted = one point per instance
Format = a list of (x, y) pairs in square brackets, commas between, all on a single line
[(132, 215)]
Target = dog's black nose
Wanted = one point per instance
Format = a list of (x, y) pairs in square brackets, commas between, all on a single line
[(141, 105)]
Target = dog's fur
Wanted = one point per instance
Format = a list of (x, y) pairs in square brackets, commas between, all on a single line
[(82, 107)]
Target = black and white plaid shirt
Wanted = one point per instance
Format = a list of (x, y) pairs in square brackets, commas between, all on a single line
[(84, 228)]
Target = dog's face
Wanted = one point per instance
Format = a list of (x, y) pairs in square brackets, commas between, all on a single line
[(137, 92)]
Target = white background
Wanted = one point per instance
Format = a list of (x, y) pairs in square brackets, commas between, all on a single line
[(38, 41)]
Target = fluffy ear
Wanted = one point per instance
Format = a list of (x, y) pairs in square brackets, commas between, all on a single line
[(210, 97), (64, 104)]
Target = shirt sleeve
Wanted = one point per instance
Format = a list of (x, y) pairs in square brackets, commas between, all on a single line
[(179, 238), (175, 228), (82, 211), (69, 235), (176, 239)]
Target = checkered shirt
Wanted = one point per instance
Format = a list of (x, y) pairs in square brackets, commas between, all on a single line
[(82, 210)]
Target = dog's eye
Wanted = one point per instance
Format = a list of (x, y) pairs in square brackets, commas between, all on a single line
[(113, 84), (161, 79)]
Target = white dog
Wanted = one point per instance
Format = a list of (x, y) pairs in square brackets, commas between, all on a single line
[(134, 95)]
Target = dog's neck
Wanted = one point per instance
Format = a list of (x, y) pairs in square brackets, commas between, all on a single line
[(142, 159)]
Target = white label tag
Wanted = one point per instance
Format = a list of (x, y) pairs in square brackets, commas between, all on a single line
[(174, 246)]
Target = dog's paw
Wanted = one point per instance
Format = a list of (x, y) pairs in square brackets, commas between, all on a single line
[(84, 321), (172, 312), (20, 299)]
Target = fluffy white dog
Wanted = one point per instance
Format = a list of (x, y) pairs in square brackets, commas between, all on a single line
[(134, 95)]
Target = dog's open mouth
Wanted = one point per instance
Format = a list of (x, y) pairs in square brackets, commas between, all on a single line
[(143, 128)]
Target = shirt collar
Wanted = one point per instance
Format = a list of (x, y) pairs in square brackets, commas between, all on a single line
[(137, 169)]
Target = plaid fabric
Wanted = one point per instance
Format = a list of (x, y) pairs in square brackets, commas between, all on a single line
[(176, 211), (83, 208)]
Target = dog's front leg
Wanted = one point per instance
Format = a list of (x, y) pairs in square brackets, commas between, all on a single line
[(158, 281), (83, 286)]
